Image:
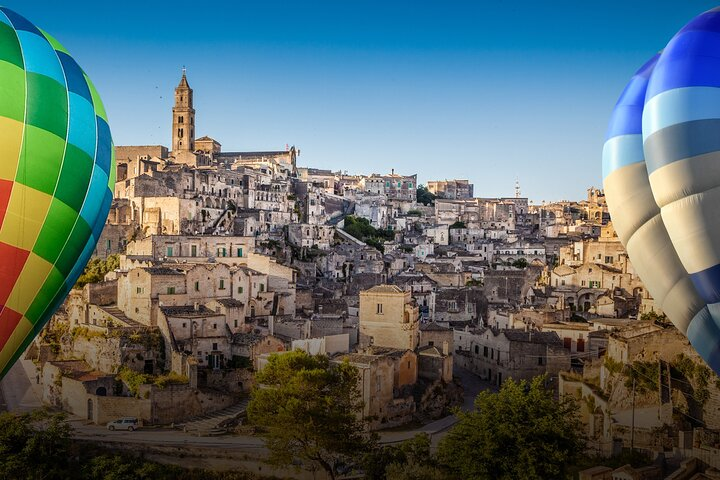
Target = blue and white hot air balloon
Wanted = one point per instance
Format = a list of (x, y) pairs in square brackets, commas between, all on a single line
[(661, 173)]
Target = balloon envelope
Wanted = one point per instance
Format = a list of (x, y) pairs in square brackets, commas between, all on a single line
[(661, 172), (57, 175)]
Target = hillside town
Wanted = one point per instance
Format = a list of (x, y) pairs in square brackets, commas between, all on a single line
[(213, 261)]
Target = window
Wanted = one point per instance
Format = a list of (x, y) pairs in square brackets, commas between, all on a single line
[(215, 346), (431, 343), (222, 284), (239, 252), (541, 360), (477, 349), (139, 290), (609, 259), (215, 327), (184, 325), (262, 287), (240, 289), (171, 290), (492, 354), (485, 352), (379, 309), (169, 251), (193, 250), (197, 286), (181, 119)]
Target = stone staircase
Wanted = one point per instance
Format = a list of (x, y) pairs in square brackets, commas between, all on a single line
[(115, 312), (214, 423)]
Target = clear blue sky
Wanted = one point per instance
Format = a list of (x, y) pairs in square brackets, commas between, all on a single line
[(488, 91)]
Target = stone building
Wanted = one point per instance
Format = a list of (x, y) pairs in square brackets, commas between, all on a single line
[(497, 355), (451, 189), (309, 235), (435, 352), (392, 186), (389, 317), (386, 402)]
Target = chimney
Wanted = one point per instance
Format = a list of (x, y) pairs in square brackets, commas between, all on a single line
[(196, 306), (392, 171)]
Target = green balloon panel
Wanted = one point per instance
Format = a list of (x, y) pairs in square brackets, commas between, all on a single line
[(57, 172)]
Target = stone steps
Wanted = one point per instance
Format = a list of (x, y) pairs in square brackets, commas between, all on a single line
[(212, 423)]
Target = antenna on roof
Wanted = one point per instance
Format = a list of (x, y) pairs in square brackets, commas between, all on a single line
[(517, 188)]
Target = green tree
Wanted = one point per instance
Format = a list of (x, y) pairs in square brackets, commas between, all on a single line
[(424, 195), (411, 460), (519, 433), (96, 269), (457, 224), (520, 263), (361, 229), (34, 445), (310, 410)]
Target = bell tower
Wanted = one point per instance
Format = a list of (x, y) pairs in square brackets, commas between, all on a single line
[(183, 118)]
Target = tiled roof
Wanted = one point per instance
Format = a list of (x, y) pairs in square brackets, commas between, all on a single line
[(385, 289), (550, 338), (433, 327), (230, 302), (162, 271), (187, 311)]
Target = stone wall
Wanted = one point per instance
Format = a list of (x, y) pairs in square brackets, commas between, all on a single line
[(132, 152), (107, 409), (507, 286), (234, 381), (113, 240), (102, 293)]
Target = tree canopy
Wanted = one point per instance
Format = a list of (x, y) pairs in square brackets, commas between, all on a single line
[(361, 229), (519, 433), (39, 445), (96, 269), (310, 409), (424, 195), (411, 460), (34, 445)]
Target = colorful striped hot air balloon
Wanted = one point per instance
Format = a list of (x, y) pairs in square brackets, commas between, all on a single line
[(661, 173), (56, 178)]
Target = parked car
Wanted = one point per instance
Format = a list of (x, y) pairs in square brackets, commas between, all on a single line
[(125, 423)]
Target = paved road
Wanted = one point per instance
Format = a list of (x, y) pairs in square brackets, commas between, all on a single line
[(20, 393)]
